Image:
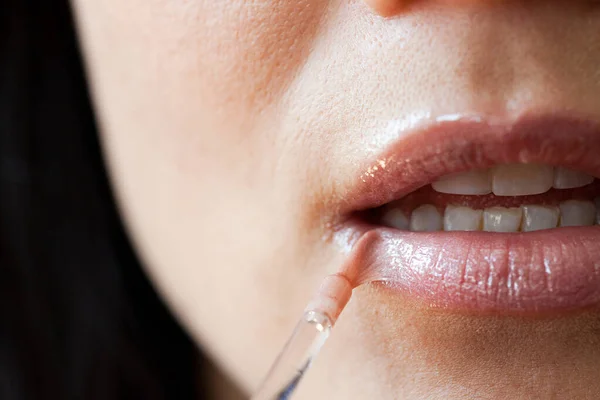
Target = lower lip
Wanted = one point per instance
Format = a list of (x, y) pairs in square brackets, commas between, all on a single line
[(535, 272)]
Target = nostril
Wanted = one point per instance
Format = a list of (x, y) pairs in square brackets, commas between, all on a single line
[(390, 8), (387, 8)]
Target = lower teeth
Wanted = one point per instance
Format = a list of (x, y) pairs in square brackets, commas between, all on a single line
[(427, 218)]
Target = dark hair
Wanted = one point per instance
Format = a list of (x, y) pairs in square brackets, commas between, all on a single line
[(78, 318)]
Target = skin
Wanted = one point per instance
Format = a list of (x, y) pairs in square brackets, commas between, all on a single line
[(231, 129)]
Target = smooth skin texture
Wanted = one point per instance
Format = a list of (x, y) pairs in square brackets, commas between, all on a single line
[(232, 127)]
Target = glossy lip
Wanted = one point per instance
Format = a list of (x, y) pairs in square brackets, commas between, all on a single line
[(544, 271)]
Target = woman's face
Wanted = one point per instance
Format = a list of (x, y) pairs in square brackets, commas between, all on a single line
[(242, 136)]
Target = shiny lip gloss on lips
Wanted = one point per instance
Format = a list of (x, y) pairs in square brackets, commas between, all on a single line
[(539, 250)]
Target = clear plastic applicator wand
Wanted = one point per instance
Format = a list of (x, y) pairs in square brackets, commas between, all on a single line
[(306, 341)]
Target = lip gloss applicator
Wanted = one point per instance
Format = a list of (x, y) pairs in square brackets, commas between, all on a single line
[(306, 341)]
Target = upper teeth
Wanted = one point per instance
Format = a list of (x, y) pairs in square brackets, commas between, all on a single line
[(565, 178), (470, 183), (512, 180)]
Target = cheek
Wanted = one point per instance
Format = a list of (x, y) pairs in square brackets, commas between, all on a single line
[(210, 69), (188, 94), (241, 54), (210, 183)]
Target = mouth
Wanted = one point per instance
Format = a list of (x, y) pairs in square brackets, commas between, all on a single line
[(479, 216)]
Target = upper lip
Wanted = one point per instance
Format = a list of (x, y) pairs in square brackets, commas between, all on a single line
[(441, 148)]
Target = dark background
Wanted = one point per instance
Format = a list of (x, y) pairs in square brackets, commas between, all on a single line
[(78, 319)]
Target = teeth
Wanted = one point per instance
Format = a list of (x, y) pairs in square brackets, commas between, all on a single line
[(462, 219), (503, 180), (426, 219), (521, 179), (466, 183), (577, 213), (527, 218), (395, 218), (536, 218), (512, 180), (565, 178), (500, 219)]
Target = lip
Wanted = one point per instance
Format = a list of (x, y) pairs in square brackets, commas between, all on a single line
[(535, 272)]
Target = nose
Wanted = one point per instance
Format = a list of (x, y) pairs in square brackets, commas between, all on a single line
[(389, 8), (386, 8)]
